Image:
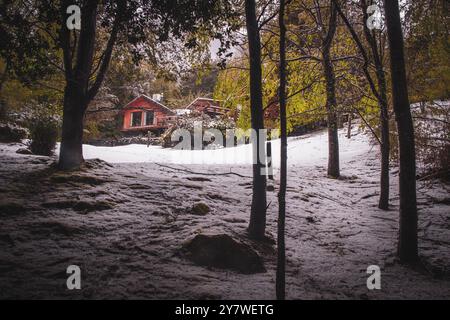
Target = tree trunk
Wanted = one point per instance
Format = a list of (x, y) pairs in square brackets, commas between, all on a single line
[(340, 121), (385, 150), (380, 94), (384, 115), (407, 243), (71, 153), (281, 256), (76, 93), (349, 126), (3, 79), (383, 202), (257, 224), (331, 104)]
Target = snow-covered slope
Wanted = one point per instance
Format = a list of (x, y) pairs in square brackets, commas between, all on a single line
[(124, 225), (306, 150)]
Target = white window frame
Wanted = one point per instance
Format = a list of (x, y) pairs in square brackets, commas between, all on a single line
[(145, 118), (131, 119)]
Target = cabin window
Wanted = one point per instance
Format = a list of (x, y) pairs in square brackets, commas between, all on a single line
[(149, 118), (136, 118)]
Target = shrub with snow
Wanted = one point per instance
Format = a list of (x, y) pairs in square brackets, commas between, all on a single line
[(10, 132), (44, 132)]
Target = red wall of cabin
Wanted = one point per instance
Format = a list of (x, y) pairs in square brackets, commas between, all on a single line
[(145, 105)]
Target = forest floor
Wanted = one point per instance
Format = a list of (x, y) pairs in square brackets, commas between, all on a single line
[(124, 222)]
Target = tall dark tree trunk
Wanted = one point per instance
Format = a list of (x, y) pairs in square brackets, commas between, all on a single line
[(4, 75), (381, 96), (71, 153), (80, 87), (383, 202), (257, 224), (407, 243), (349, 126), (77, 85), (380, 93), (281, 257), (331, 104), (3, 79)]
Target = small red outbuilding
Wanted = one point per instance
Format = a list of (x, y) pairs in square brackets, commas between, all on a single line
[(209, 106), (146, 114)]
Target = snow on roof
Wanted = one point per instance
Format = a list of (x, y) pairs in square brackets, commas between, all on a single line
[(181, 112), (200, 98), (151, 100)]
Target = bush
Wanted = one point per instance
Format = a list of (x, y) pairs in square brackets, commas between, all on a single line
[(44, 132), (12, 133), (90, 131), (187, 123), (432, 132)]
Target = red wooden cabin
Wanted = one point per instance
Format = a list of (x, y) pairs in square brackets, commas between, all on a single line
[(146, 114), (209, 106)]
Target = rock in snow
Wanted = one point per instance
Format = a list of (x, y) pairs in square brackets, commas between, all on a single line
[(200, 209), (24, 151), (222, 251)]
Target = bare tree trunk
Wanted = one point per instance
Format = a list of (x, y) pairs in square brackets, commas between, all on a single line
[(3, 79), (381, 96), (331, 104), (385, 150), (78, 94), (257, 223), (281, 257), (71, 153), (349, 126), (4, 75), (380, 93), (407, 244), (340, 121), (76, 90)]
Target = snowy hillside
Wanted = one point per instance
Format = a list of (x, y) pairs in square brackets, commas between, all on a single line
[(125, 221), (306, 150)]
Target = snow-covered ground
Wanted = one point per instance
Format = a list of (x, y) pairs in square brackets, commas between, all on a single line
[(124, 224), (305, 150)]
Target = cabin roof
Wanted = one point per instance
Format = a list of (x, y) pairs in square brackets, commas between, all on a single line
[(200, 98), (149, 100)]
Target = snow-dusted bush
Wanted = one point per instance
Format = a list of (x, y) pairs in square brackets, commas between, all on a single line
[(432, 139), (188, 122), (43, 122), (44, 132), (10, 132), (432, 131)]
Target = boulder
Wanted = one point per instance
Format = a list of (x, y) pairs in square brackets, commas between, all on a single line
[(24, 151), (200, 209), (222, 251)]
